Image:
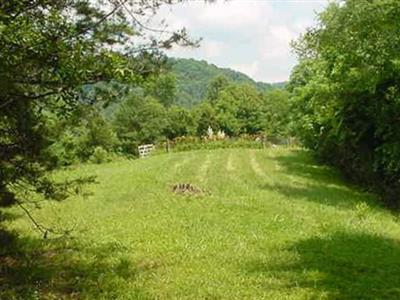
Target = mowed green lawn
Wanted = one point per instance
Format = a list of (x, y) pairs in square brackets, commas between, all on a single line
[(273, 225)]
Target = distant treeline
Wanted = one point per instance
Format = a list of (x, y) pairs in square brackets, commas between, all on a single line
[(147, 114)]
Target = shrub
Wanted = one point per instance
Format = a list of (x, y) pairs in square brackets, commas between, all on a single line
[(195, 143), (100, 155)]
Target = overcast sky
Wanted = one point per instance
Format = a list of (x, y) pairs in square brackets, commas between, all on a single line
[(251, 36)]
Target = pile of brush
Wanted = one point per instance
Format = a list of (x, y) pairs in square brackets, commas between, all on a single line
[(187, 189)]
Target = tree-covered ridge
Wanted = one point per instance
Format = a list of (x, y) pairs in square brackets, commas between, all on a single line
[(194, 76)]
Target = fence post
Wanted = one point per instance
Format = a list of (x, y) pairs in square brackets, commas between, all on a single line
[(264, 141)]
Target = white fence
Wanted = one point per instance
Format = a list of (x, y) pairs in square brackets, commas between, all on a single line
[(145, 150)]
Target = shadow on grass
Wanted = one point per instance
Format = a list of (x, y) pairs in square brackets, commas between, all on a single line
[(6, 216), (322, 193), (318, 183), (38, 269), (341, 266), (302, 163)]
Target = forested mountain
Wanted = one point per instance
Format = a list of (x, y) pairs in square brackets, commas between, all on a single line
[(193, 77)]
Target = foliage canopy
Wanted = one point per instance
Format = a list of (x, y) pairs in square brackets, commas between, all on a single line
[(346, 90), (50, 50)]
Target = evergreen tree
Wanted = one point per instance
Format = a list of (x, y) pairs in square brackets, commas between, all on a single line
[(50, 50)]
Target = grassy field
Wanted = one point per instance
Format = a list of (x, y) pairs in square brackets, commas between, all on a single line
[(272, 224)]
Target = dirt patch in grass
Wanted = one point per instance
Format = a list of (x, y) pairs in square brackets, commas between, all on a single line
[(187, 189)]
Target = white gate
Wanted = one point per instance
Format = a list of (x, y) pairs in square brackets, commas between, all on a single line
[(145, 150)]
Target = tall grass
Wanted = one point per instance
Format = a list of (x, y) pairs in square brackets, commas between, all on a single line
[(273, 224)]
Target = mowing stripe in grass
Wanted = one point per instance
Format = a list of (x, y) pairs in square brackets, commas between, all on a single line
[(203, 170), (229, 171), (256, 166), (243, 173), (181, 162), (188, 172), (229, 163), (216, 183)]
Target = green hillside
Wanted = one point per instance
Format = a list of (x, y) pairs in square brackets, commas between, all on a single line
[(193, 77)]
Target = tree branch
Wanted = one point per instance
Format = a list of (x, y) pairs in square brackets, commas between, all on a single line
[(43, 230), (29, 97), (38, 226)]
